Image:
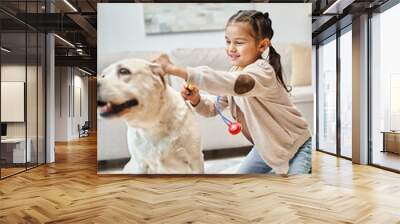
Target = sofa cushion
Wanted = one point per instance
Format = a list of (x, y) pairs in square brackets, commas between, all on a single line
[(302, 94), (215, 58), (301, 65)]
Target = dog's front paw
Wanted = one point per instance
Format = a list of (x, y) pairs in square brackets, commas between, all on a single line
[(129, 168), (132, 167)]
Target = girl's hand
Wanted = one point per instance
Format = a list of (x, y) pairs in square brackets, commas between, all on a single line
[(165, 63), (169, 68), (191, 93)]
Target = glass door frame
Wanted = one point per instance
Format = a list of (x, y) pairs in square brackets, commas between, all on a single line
[(336, 38)]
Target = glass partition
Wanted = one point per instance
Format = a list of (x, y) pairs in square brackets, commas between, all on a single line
[(23, 91), (346, 94), (13, 94), (327, 96)]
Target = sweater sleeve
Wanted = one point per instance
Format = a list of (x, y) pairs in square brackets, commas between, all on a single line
[(207, 107), (254, 80)]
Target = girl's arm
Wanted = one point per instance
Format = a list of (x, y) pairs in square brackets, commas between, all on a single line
[(257, 79), (169, 68), (207, 107), (204, 106), (177, 71)]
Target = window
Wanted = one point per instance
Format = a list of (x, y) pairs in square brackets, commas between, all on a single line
[(327, 97), (346, 94), (385, 89)]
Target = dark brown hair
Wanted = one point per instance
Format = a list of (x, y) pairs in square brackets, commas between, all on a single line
[(261, 26)]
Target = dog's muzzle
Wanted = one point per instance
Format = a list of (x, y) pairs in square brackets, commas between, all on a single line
[(108, 109)]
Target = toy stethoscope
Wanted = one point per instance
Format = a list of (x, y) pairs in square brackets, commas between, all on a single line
[(233, 127)]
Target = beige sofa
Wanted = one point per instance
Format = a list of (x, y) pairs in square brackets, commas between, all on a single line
[(296, 63)]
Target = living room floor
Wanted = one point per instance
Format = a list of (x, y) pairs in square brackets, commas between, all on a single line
[(71, 191), (211, 166)]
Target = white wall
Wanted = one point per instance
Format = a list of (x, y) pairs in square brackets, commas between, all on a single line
[(291, 21), (33, 126), (61, 103), (81, 81), (12, 73), (68, 82), (122, 29)]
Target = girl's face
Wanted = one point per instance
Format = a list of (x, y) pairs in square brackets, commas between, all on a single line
[(241, 47)]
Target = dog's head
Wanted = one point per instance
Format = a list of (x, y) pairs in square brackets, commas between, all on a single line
[(131, 89)]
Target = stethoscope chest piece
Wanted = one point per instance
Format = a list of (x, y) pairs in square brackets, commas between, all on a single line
[(233, 127)]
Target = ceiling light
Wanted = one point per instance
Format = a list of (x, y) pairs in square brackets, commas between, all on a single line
[(64, 40), (79, 51), (84, 71), (5, 50), (337, 7), (70, 5)]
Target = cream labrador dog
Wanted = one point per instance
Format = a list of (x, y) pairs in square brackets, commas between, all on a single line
[(163, 134)]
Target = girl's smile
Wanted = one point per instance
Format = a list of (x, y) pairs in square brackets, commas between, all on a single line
[(234, 57)]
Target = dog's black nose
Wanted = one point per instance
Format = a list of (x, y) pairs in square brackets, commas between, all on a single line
[(98, 84), (101, 103)]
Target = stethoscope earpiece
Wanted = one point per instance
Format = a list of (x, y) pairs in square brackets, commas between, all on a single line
[(189, 88)]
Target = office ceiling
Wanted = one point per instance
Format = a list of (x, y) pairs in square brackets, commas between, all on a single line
[(76, 22)]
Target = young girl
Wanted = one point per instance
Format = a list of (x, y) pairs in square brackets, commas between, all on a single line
[(256, 94)]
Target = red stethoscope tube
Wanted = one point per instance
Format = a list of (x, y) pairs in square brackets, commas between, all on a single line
[(233, 127)]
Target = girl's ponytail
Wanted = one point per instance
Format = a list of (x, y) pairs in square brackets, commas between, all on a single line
[(275, 62)]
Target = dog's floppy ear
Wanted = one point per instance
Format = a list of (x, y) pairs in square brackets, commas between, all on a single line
[(156, 69)]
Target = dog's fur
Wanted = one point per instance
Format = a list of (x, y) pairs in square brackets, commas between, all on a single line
[(163, 134)]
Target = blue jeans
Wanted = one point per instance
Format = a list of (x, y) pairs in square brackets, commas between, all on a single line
[(299, 164)]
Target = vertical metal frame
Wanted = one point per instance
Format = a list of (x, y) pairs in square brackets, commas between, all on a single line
[(37, 91), (338, 75), (26, 87), (44, 79), (73, 91), (369, 77), (317, 96)]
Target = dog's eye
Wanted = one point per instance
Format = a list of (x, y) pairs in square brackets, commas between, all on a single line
[(124, 71)]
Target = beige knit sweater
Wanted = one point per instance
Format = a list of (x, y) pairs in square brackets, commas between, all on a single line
[(260, 103)]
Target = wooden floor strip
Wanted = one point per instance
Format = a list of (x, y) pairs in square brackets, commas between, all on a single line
[(70, 191)]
